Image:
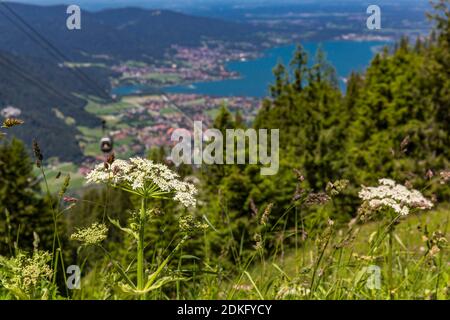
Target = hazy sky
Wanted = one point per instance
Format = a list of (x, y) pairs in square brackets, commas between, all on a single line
[(190, 5), (96, 4), (123, 3), (192, 2)]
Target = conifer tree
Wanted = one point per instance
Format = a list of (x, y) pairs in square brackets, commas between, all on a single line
[(20, 199), (281, 79), (299, 65)]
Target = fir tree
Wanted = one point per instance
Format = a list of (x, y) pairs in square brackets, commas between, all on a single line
[(20, 197)]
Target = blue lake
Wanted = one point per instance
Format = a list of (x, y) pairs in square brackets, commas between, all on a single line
[(256, 75)]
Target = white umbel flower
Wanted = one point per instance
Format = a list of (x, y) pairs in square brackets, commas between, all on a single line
[(92, 235), (395, 196), (292, 292), (146, 178)]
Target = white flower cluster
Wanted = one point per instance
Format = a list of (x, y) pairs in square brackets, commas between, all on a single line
[(142, 175), (393, 195), (292, 292), (445, 176), (94, 234)]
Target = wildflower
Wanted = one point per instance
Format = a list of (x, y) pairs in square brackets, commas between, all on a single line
[(436, 242), (12, 122), (189, 225), (146, 178), (22, 275), (335, 188), (70, 200), (292, 292), (36, 268), (395, 196), (434, 251), (429, 174), (387, 182), (445, 176), (92, 235)]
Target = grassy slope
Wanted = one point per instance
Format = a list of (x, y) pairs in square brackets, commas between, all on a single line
[(414, 275), (65, 168)]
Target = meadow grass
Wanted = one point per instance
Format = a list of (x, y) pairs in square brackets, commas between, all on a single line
[(397, 250), (343, 272), (345, 268)]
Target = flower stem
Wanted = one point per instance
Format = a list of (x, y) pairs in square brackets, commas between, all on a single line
[(390, 263), (140, 247), (56, 251)]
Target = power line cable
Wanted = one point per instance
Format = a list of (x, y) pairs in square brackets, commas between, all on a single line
[(54, 52), (15, 68), (170, 101), (60, 54)]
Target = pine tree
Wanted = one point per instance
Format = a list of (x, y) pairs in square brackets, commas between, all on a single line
[(281, 79), (299, 64), (20, 196)]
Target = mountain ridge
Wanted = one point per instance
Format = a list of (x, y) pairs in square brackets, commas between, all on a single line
[(37, 57), (109, 31)]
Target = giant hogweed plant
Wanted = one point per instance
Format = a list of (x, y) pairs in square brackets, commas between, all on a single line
[(394, 201), (387, 204), (148, 181), (28, 277)]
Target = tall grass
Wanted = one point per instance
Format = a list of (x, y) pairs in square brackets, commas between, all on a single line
[(380, 254)]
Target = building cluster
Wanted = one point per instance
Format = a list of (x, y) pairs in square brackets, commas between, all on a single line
[(150, 123), (186, 65)]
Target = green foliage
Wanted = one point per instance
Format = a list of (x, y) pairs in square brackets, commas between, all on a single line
[(27, 277), (297, 235), (393, 122), (23, 211), (399, 128)]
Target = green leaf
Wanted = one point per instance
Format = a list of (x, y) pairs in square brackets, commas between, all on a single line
[(158, 284), (116, 223), (254, 284), (188, 256), (209, 223), (154, 275)]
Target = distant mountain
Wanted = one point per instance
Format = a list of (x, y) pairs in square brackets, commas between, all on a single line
[(44, 94), (33, 79), (128, 33)]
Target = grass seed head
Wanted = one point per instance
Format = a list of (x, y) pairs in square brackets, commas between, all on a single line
[(37, 153)]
